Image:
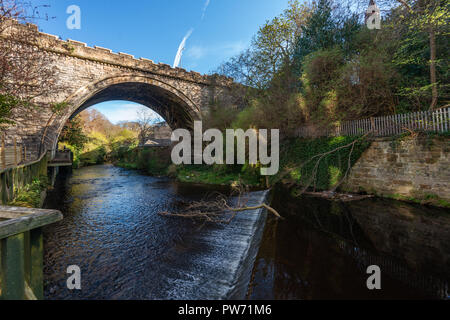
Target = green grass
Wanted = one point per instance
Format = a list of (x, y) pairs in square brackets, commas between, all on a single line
[(219, 174), (30, 195), (293, 155), (428, 199)]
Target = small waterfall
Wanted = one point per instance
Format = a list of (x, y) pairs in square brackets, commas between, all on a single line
[(224, 269)]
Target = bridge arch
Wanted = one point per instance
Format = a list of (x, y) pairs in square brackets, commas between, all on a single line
[(169, 102)]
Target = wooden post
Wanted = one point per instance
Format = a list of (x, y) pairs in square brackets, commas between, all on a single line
[(3, 156), (15, 152), (13, 277), (37, 263)]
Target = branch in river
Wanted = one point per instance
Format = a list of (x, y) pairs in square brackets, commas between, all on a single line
[(219, 209)]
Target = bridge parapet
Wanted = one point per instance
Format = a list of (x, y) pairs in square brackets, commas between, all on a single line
[(81, 50)]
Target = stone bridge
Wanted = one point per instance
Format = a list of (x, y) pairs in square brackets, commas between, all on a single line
[(90, 75)]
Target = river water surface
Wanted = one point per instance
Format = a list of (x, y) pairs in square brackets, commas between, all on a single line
[(112, 231)]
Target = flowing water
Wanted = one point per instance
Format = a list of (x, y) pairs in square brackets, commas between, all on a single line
[(113, 232), (125, 250)]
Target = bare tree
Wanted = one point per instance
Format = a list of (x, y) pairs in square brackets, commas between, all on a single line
[(26, 73), (145, 123)]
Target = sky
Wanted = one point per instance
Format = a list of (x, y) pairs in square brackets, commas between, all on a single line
[(212, 31)]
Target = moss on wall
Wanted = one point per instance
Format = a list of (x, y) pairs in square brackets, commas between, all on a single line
[(14, 180)]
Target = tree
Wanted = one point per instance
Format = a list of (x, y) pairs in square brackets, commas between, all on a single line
[(25, 73), (430, 18), (73, 134), (328, 26), (271, 48), (145, 122)]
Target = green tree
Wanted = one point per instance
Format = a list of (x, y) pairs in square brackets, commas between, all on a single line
[(270, 50), (73, 134)]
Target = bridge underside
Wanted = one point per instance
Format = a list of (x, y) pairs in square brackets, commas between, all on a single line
[(172, 108)]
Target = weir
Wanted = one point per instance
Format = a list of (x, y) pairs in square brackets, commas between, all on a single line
[(223, 270)]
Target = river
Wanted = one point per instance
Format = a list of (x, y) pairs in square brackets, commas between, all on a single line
[(112, 231)]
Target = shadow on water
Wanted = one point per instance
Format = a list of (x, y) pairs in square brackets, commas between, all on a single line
[(323, 248)]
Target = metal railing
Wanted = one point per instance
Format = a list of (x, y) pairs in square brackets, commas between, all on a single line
[(430, 121)]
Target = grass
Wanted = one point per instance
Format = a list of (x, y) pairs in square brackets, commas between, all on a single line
[(30, 195), (428, 199), (218, 174)]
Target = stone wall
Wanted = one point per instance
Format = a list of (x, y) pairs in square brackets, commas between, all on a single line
[(87, 75), (408, 168)]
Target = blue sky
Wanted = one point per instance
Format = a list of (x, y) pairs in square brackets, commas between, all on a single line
[(154, 29)]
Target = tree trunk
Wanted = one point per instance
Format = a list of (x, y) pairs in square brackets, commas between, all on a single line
[(433, 77)]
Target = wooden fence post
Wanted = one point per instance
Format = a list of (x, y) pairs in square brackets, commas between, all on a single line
[(15, 151), (3, 156)]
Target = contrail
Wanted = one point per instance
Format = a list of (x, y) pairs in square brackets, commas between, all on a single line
[(177, 61), (182, 46), (204, 8)]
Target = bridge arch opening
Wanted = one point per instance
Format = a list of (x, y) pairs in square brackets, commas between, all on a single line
[(167, 101), (175, 109)]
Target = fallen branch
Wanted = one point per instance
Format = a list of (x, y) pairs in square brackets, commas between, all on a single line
[(319, 158), (218, 210)]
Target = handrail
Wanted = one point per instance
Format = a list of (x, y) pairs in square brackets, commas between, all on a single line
[(21, 251)]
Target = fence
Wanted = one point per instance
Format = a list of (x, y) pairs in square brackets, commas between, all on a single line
[(12, 155), (431, 121), (22, 253)]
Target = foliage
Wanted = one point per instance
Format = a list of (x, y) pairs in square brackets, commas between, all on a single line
[(73, 134), (338, 69), (152, 161), (296, 156), (7, 104), (271, 48), (30, 195)]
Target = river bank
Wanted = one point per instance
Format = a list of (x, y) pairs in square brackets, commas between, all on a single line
[(405, 168)]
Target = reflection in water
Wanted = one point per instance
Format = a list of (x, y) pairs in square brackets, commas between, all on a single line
[(322, 250)]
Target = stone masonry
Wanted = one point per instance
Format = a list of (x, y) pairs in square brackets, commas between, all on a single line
[(411, 168), (92, 75)]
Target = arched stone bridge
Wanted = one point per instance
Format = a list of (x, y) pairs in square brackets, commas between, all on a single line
[(90, 75)]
